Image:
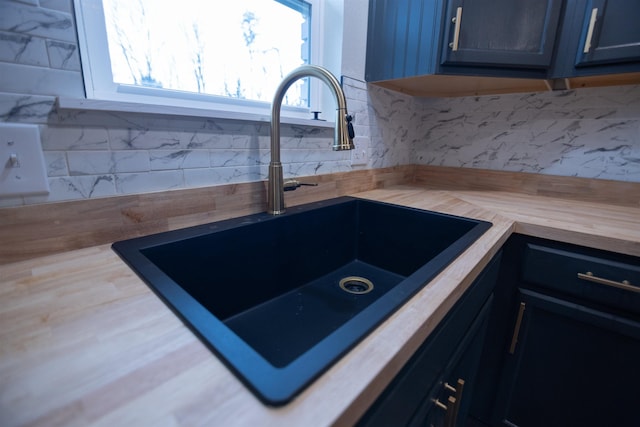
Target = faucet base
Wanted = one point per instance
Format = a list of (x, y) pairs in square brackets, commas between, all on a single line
[(275, 193)]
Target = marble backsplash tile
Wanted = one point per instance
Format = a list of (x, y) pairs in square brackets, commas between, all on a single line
[(591, 133), (181, 155), (28, 19), (22, 49), (25, 108)]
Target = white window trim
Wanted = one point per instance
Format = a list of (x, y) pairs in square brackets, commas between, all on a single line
[(202, 105), (64, 103)]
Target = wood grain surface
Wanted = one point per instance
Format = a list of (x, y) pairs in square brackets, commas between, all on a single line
[(33, 231), (436, 85), (601, 191), (37, 230), (85, 342)]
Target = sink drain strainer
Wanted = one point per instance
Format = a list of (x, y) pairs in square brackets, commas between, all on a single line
[(356, 285)]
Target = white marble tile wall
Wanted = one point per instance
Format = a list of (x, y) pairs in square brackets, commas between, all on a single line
[(591, 133), (89, 154)]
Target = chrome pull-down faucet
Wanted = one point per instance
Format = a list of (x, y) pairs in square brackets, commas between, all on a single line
[(343, 136)]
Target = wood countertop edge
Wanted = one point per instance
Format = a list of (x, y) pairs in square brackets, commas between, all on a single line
[(333, 399), (601, 226)]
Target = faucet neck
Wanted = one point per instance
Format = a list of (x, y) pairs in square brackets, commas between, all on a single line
[(299, 73), (342, 138)]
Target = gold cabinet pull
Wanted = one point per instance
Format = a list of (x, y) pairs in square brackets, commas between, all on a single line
[(441, 405), (458, 390), (450, 409), (456, 29), (592, 24), (516, 329), (625, 284)]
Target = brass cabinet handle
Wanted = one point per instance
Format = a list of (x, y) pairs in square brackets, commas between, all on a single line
[(449, 388), (453, 406), (592, 24), (456, 29), (625, 284), (441, 405), (516, 329), (450, 409), (459, 388)]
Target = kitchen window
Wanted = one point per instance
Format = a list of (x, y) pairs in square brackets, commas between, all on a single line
[(227, 56)]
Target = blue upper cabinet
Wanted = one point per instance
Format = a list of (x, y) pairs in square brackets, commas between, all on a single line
[(500, 33), (611, 32), (402, 39), (517, 40), (599, 37)]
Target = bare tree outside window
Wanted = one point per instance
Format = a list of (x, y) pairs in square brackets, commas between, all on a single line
[(240, 49), (198, 57)]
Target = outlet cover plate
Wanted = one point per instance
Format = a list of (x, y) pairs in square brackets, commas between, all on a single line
[(360, 154), (22, 167)]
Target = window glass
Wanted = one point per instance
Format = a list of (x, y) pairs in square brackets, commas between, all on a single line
[(211, 54), (235, 50)]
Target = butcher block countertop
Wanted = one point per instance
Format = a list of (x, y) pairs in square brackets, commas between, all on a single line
[(85, 342)]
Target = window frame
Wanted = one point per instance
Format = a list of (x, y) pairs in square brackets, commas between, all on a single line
[(100, 88)]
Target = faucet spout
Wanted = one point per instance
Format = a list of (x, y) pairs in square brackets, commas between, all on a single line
[(343, 135)]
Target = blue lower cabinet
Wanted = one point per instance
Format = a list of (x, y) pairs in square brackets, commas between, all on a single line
[(569, 365), (436, 386), (566, 340), (548, 335)]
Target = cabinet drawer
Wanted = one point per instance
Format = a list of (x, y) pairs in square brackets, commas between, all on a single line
[(409, 391), (590, 278)]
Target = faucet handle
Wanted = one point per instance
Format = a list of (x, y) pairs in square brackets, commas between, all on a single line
[(350, 131), (293, 184)]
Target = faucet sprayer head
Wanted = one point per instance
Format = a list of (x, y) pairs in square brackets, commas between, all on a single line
[(344, 133)]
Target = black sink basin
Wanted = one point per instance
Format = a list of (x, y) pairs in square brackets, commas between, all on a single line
[(280, 298)]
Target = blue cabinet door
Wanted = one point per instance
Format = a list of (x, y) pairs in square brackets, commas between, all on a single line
[(598, 37), (402, 38), (500, 33), (563, 348), (610, 32), (544, 39), (569, 365)]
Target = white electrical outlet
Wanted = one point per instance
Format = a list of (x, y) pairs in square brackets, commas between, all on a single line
[(360, 154), (22, 167)]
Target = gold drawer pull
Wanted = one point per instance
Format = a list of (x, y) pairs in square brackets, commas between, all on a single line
[(450, 417), (625, 284), (458, 390), (441, 405), (454, 403)]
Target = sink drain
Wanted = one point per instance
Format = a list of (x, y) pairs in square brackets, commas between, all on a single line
[(356, 285)]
